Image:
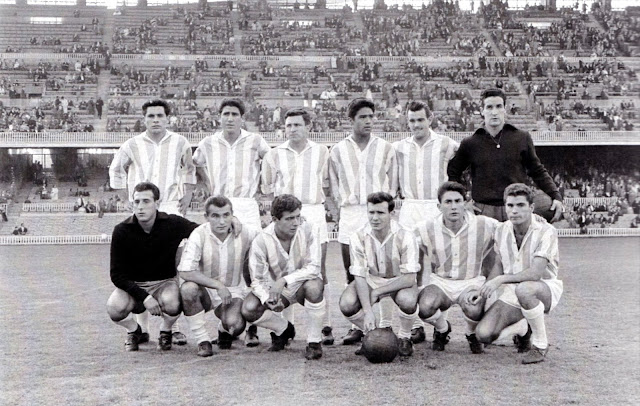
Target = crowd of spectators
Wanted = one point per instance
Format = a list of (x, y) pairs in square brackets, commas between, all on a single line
[(59, 114)]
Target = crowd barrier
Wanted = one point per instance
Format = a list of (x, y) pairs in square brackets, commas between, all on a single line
[(333, 236), (115, 139), (595, 201)]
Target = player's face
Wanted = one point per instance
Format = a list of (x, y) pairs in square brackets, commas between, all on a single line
[(363, 122), (288, 223), (452, 206), (231, 119), (155, 120), (295, 129), (219, 219), (518, 209), (144, 206), (493, 111), (419, 123), (379, 216)]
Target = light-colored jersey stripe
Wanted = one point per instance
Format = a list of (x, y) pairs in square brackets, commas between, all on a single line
[(220, 260), (354, 174), (231, 170), (268, 261), (422, 169), (396, 255), (168, 165), (460, 255), (541, 240), (285, 171)]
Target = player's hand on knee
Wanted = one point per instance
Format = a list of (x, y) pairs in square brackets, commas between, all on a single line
[(275, 305), (225, 295), (489, 287), (152, 305), (472, 297)]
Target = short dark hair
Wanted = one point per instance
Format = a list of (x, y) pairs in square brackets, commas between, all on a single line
[(494, 92), (381, 197), (357, 104), (232, 103), (299, 112), (284, 203), (451, 186), (217, 201), (144, 186), (518, 189), (416, 105), (156, 103)]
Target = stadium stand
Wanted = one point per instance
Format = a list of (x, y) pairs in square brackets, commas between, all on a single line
[(570, 75)]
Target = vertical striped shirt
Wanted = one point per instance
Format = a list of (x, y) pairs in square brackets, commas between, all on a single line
[(422, 169), (456, 255), (167, 164), (395, 256), (268, 261), (541, 240), (231, 170), (220, 260), (304, 174), (355, 173)]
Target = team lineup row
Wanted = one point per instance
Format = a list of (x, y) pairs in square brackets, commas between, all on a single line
[(355, 169)]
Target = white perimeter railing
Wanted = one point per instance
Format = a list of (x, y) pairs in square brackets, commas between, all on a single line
[(115, 139), (333, 236)]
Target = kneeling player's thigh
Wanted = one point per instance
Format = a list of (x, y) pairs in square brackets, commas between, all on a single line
[(495, 319), (120, 304)]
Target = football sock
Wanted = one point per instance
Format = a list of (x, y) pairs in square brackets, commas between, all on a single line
[(326, 319), (316, 312), (520, 328), (357, 319), (129, 323), (196, 323), (439, 321), (470, 325), (221, 327), (535, 317), (174, 327), (168, 322), (417, 323), (289, 314), (385, 306), (406, 321), (272, 321), (143, 321)]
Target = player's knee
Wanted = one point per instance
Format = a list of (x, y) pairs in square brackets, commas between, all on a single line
[(525, 291), (427, 307), (314, 290), (190, 292), (235, 325), (252, 309), (170, 303), (117, 307), (474, 312), (485, 333), (349, 304), (407, 300)]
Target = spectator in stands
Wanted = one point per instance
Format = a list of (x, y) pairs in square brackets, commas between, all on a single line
[(22, 230)]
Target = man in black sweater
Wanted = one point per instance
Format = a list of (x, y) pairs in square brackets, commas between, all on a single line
[(499, 154), (143, 267)]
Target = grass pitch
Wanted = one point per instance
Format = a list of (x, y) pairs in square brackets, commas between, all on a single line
[(60, 348)]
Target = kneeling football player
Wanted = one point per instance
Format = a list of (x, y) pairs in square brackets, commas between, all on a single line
[(143, 267), (456, 243), (214, 266), (384, 262), (285, 268), (525, 275)]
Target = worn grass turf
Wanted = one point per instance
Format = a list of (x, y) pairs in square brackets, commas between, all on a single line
[(60, 348)]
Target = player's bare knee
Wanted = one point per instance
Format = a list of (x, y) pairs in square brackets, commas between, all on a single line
[(314, 290), (427, 306), (117, 306), (252, 309), (485, 333), (406, 300), (526, 291), (474, 312), (235, 325), (190, 292), (349, 305)]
